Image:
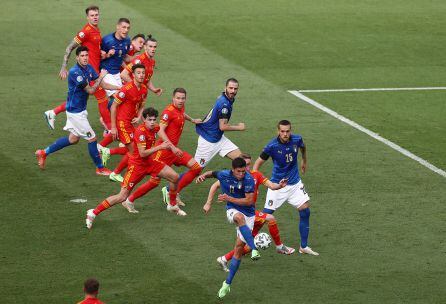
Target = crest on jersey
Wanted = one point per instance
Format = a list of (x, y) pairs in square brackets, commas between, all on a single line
[(142, 137), (165, 117), (79, 78), (121, 94), (137, 61), (202, 161), (239, 185), (131, 184), (120, 53), (81, 34), (224, 111), (295, 148), (270, 202)]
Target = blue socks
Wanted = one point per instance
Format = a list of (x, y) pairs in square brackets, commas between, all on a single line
[(94, 153), (247, 235), (233, 267), (304, 226), (57, 145)]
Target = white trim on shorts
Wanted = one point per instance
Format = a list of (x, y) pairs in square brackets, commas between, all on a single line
[(295, 195), (249, 221), (206, 150), (78, 125), (112, 79)]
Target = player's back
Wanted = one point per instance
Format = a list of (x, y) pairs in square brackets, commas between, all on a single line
[(91, 301), (210, 128), (121, 46)]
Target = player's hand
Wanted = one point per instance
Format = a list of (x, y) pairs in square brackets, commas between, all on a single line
[(177, 151), (283, 182), (103, 73), (200, 179), (223, 197), (164, 145), (196, 121), (303, 167), (103, 54), (63, 73), (114, 133), (157, 91), (241, 126), (207, 207), (111, 52), (136, 120)]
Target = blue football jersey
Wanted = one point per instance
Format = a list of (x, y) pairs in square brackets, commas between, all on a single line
[(78, 79), (284, 156), (237, 188), (210, 128), (121, 47)]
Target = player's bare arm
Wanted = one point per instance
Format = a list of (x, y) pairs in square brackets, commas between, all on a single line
[(259, 162), (276, 186), (203, 177), (224, 125), (303, 165), (162, 134), (125, 76), (192, 120), (245, 201), (63, 70), (114, 129), (143, 152), (92, 89), (157, 91), (138, 117), (207, 206)]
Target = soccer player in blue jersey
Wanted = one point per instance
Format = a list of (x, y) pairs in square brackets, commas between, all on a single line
[(116, 46), (82, 81), (283, 150), (238, 187)]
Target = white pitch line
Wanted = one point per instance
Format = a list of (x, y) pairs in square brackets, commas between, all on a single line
[(368, 132), (373, 89)]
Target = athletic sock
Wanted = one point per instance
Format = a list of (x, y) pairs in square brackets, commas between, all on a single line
[(189, 176), (233, 267), (247, 235), (258, 224), (60, 108), (274, 232), (118, 150), (101, 207), (179, 178), (143, 189), (57, 145), (304, 226), (94, 154), (228, 256), (122, 164), (173, 197), (108, 139)]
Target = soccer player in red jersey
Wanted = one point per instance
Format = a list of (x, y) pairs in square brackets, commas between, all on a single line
[(260, 217), (91, 289), (137, 45), (141, 164), (89, 36), (171, 127)]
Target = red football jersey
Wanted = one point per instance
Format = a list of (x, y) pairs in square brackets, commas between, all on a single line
[(90, 36), (130, 99), (143, 137), (173, 118), (259, 179), (91, 301), (148, 62)]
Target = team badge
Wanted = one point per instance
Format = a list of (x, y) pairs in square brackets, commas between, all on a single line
[(121, 94), (239, 185), (202, 161), (81, 34), (79, 78), (137, 61), (131, 184), (120, 53), (224, 111), (142, 138), (270, 202), (165, 117), (295, 148)]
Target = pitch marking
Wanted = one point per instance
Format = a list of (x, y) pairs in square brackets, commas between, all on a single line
[(372, 89)]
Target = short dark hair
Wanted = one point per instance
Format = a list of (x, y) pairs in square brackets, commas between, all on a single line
[(179, 90), (91, 286), (231, 80), (138, 66), (139, 36), (283, 122), (121, 20), (150, 38), (238, 163), (150, 112), (91, 8), (245, 156), (81, 49)]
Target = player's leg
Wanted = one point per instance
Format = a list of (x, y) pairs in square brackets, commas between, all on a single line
[(125, 134), (191, 174), (104, 205), (59, 144), (50, 115), (132, 177), (275, 234), (233, 268), (244, 229), (228, 148), (152, 183), (172, 176)]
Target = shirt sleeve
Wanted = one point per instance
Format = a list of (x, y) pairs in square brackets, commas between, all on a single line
[(120, 96), (94, 75), (165, 118), (301, 142), (223, 111), (140, 138), (78, 79), (215, 174), (266, 153), (81, 36)]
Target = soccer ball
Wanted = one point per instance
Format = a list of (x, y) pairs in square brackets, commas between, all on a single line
[(262, 240)]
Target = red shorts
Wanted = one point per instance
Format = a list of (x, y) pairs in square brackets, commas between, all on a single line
[(169, 158), (260, 217), (136, 172), (125, 131)]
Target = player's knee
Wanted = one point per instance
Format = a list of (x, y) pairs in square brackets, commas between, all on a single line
[(239, 219), (73, 140), (175, 177), (304, 213), (270, 217)]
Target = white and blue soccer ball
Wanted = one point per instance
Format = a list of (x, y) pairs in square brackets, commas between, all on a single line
[(262, 240)]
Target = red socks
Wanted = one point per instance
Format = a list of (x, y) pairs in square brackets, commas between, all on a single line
[(101, 207), (189, 176), (108, 139), (173, 197), (274, 232), (143, 189), (118, 150), (122, 164), (230, 254), (60, 108)]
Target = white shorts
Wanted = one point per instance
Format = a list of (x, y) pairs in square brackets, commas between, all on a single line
[(295, 195), (249, 220), (207, 150), (77, 124), (113, 79)]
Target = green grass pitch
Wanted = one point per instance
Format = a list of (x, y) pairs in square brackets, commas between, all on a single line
[(378, 217)]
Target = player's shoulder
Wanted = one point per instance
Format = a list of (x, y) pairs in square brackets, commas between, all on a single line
[(169, 108), (248, 176), (128, 86), (108, 37), (296, 137), (144, 87), (273, 142), (127, 41)]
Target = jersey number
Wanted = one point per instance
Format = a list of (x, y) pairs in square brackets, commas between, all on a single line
[(289, 157)]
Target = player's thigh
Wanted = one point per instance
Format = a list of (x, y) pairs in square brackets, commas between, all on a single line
[(165, 172), (133, 176), (184, 160), (276, 198), (205, 151), (298, 196), (125, 132), (165, 156), (78, 125), (228, 148), (249, 221)]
